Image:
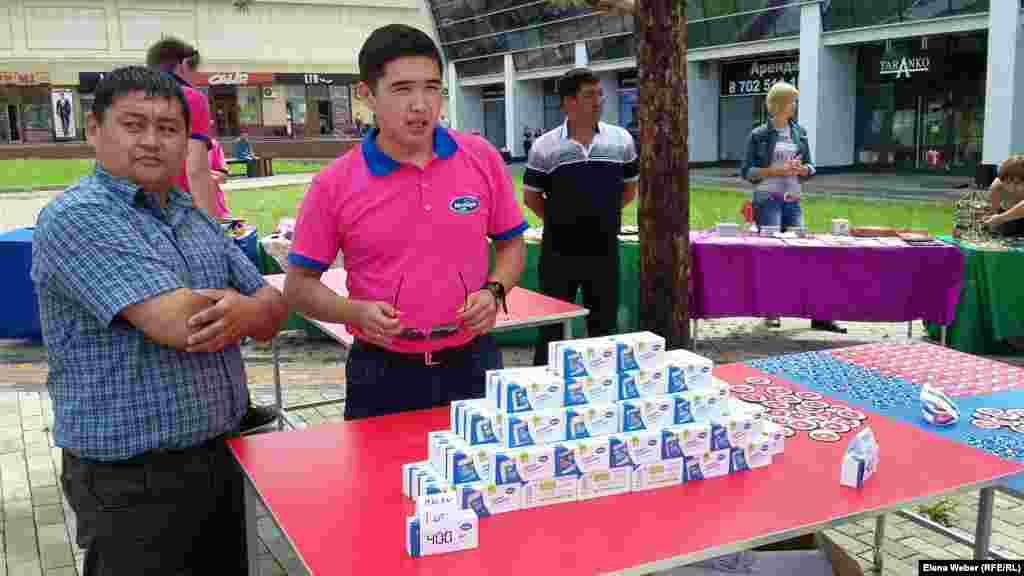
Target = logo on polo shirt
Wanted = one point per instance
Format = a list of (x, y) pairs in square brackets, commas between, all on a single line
[(464, 204)]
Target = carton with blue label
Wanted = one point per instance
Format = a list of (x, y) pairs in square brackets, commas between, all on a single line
[(594, 357), (711, 464), (687, 371), (694, 438), (775, 435), (591, 390), (434, 508), (639, 351), (488, 499), (481, 425), (529, 389), (657, 475), (594, 455), (591, 420), (641, 447), (642, 383), (534, 428), (458, 531), (652, 413), (860, 460), (523, 465)]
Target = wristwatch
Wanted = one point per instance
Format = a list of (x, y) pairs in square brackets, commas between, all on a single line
[(498, 290)]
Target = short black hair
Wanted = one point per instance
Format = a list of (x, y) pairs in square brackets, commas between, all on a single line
[(121, 81), (570, 82), (390, 43), (169, 52)]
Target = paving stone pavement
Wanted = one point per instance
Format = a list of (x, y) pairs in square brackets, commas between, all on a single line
[(37, 527)]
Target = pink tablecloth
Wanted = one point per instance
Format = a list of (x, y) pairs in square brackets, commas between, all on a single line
[(760, 277)]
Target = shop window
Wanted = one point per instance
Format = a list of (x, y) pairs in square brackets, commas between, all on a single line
[(841, 14), (249, 108), (295, 104), (480, 67)]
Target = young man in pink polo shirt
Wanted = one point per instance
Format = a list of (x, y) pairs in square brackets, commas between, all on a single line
[(411, 209), (181, 60)]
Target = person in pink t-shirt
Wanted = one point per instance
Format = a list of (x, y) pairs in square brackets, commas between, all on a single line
[(180, 60), (219, 174), (411, 209)]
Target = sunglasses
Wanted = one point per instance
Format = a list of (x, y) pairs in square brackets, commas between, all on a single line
[(436, 332)]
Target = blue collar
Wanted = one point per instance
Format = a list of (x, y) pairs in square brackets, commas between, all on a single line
[(381, 164)]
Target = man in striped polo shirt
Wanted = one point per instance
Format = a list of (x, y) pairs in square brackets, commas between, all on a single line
[(578, 179)]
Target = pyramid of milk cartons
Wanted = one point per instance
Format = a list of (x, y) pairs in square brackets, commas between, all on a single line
[(606, 416)]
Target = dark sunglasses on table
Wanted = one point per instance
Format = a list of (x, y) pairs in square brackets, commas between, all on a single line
[(436, 332)]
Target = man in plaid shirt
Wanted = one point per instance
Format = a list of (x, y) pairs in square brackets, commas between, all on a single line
[(143, 301)]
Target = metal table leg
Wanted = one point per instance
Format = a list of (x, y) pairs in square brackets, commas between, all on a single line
[(943, 336), (693, 343), (567, 330), (983, 531), (879, 541), (278, 402), (910, 329), (251, 534)]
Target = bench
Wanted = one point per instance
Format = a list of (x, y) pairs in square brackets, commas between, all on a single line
[(256, 166)]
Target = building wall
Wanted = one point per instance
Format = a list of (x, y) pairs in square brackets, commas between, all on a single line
[(75, 36), (703, 80), (471, 110), (530, 100)]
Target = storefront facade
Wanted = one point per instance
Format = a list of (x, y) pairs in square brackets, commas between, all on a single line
[(886, 86), (25, 107)]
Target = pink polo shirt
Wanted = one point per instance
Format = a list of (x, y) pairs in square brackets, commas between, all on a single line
[(199, 129), (397, 223)]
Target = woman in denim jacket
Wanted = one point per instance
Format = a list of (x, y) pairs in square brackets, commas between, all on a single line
[(778, 160)]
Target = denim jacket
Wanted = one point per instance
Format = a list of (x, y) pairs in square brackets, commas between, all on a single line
[(761, 150)]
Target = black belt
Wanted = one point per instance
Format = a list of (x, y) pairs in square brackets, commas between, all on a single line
[(443, 357), (206, 445)]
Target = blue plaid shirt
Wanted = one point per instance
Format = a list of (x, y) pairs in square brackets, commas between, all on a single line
[(100, 247)]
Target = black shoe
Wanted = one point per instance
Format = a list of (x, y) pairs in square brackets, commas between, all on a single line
[(257, 417), (827, 326)]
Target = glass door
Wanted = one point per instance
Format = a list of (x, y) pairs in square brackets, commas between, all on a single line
[(494, 122), (936, 133)]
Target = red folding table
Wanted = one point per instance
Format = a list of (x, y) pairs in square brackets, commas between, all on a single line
[(334, 491), (527, 309)]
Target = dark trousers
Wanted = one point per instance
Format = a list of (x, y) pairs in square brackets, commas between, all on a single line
[(561, 276), (161, 513), (379, 382)]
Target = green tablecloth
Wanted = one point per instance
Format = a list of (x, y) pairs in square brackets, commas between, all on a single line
[(991, 307), (629, 294)]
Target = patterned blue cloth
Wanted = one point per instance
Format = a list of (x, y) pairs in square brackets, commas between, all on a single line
[(98, 248)]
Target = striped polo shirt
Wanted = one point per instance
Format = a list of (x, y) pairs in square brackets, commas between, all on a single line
[(582, 187)]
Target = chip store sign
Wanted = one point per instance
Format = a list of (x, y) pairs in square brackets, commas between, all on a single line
[(904, 67), (24, 78), (229, 79)]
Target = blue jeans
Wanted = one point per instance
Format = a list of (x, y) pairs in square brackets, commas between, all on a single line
[(378, 382), (770, 211)]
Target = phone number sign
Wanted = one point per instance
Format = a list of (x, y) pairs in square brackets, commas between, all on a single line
[(757, 77)]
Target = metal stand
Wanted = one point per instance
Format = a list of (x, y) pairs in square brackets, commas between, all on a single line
[(693, 341), (879, 541), (252, 541), (983, 530), (910, 329), (940, 529)]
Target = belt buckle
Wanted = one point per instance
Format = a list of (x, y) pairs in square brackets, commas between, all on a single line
[(428, 359)]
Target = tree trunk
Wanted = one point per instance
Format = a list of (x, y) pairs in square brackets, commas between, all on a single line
[(664, 212)]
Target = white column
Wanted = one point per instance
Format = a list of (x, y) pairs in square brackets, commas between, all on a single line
[(837, 106), (454, 95), (703, 85), (810, 78), (510, 107), (1004, 111), (582, 57)]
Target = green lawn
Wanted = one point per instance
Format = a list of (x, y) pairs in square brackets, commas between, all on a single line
[(24, 175), (708, 206)]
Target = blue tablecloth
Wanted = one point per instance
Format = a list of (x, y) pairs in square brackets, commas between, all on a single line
[(899, 398), (19, 312)]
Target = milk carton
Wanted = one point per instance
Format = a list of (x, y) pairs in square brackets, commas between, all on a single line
[(687, 371), (523, 465), (409, 472), (605, 483), (757, 413), (759, 453), (486, 499), (775, 436), (534, 428), (587, 357), (671, 444), (647, 413), (715, 463), (439, 443), (591, 390), (483, 426), (529, 389), (642, 447), (492, 380), (682, 408), (643, 383), (591, 420), (739, 431), (658, 475), (565, 460), (694, 438), (466, 465), (860, 459), (552, 491), (639, 351), (594, 455), (458, 531)]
